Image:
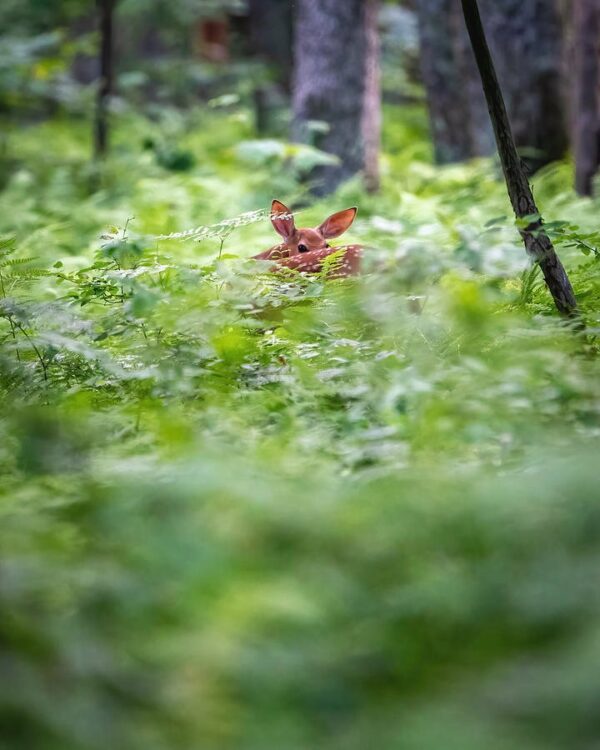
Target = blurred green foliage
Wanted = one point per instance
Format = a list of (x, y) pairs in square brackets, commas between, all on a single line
[(243, 511)]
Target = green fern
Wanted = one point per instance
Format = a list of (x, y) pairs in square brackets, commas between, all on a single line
[(17, 262), (530, 281), (7, 246)]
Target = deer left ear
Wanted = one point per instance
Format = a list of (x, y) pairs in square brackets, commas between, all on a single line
[(337, 223), (282, 220)]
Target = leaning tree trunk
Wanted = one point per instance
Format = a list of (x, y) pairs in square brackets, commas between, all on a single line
[(371, 125), (586, 80), (329, 85), (526, 39), (105, 87), (460, 128), (537, 242)]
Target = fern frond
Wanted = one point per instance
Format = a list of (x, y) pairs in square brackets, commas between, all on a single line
[(16, 262), (21, 274), (7, 246)]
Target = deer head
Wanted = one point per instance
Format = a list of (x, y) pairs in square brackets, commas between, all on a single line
[(297, 241)]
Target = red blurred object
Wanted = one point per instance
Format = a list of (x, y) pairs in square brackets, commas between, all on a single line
[(213, 39)]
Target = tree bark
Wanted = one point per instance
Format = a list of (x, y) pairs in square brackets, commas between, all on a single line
[(586, 117), (526, 40), (329, 85), (537, 243), (460, 128), (105, 87), (371, 124)]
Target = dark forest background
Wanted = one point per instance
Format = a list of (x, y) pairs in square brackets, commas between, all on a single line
[(323, 61)]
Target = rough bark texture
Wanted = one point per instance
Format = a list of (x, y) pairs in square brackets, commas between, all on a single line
[(526, 40), (586, 120), (372, 98), (105, 87), (460, 128), (330, 44), (271, 29), (537, 242)]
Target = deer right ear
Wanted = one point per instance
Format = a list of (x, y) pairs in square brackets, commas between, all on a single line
[(282, 220), (337, 224)]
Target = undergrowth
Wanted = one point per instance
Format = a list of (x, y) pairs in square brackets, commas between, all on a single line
[(246, 511)]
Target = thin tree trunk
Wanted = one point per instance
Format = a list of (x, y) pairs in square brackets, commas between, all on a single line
[(105, 87), (371, 124), (271, 34), (270, 28), (537, 243), (586, 121)]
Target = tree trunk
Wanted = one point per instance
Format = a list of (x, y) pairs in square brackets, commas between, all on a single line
[(459, 124), (371, 125), (271, 34), (526, 39), (586, 116), (329, 85), (537, 242), (105, 87)]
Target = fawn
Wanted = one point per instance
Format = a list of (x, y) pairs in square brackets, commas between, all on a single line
[(306, 249)]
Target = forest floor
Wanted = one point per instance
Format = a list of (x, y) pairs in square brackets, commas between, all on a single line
[(312, 497)]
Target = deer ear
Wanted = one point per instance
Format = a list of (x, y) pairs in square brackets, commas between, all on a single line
[(282, 220), (337, 224)]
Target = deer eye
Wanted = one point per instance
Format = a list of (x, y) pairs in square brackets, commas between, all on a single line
[(302, 249)]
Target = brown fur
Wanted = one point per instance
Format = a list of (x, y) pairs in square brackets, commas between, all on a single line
[(306, 249)]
